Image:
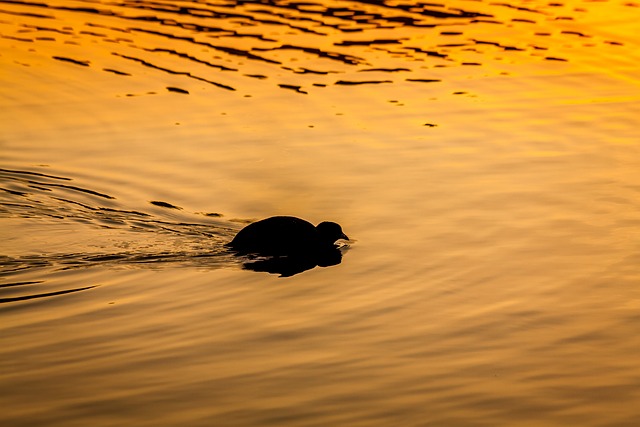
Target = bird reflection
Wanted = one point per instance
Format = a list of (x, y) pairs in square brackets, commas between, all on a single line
[(287, 266)]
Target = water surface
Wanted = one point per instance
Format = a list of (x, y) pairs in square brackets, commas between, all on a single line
[(483, 156)]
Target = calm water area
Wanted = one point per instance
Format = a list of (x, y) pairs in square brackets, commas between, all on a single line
[(483, 157)]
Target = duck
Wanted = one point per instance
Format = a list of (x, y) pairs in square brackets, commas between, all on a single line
[(287, 236)]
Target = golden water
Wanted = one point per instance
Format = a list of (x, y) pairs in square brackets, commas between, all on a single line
[(483, 156)]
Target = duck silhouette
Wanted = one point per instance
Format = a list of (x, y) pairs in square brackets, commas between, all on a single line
[(291, 245)]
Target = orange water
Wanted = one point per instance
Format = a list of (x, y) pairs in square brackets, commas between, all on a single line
[(482, 156)]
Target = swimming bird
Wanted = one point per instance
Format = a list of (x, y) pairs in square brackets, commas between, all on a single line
[(287, 236)]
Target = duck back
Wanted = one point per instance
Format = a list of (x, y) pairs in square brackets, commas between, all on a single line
[(279, 235)]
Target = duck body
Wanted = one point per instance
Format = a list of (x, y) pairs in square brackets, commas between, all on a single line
[(286, 236)]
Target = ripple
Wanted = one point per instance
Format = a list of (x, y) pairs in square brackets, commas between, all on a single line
[(220, 36)]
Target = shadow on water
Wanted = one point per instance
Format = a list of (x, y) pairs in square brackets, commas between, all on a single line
[(172, 239)]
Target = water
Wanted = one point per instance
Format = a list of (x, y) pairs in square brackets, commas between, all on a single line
[(483, 156)]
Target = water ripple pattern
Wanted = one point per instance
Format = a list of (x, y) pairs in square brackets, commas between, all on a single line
[(299, 46), (114, 237)]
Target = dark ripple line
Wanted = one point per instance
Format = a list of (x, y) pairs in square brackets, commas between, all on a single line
[(16, 172), (71, 60), (362, 82), (191, 58), (486, 21), (10, 285), (66, 8), (44, 295), (119, 73), (505, 47), (385, 70), (73, 187), (177, 90), (303, 70), (367, 42), (167, 70), (423, 80), (521, 8), (20, 39), (225, 49), (344, 58), (27, 14), (296, 88), (91, 208), (14, 192), (426, 52), (47, 29)]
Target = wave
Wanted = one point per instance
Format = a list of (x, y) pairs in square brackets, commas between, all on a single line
[(221, 43)]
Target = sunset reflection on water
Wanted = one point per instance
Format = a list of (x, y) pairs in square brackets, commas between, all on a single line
[(482, 156)]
